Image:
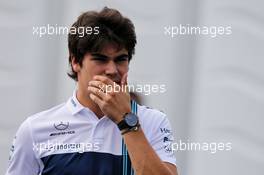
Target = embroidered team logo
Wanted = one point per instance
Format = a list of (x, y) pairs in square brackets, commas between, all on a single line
[(61, 126)]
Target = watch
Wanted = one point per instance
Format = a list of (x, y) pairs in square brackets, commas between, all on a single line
[(130, 122)]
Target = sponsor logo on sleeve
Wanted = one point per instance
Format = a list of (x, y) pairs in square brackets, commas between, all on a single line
[(167, 139)]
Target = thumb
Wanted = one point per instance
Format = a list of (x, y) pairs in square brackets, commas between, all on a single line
[(124, 79)]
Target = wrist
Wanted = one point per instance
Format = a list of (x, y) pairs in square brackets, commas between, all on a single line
[(130, 121), (121, 117), (133, 129)]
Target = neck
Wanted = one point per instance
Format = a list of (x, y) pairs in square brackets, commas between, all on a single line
[(86, 101)]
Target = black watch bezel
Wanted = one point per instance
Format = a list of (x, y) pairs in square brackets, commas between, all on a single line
[(127, 123)]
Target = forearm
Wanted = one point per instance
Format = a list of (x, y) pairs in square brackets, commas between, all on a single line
[(144, 159)]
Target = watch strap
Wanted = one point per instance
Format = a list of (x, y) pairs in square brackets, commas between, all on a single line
[(135, 128), (122, 124)]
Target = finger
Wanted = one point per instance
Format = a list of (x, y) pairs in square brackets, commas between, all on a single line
[(124, 79), (104, 79), (96, 99), (124, 82), (98, 84), (97, 92)]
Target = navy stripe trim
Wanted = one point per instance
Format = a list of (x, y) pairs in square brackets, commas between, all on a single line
[(127, 166)]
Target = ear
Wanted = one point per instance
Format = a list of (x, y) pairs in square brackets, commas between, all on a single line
[(75, 65)]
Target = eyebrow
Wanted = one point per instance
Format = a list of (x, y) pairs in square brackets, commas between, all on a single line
[(99, 55), (106, 57)]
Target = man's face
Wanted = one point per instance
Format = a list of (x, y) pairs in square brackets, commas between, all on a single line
[(110, 62)]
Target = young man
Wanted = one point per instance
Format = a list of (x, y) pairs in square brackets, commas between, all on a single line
[(99, 130)]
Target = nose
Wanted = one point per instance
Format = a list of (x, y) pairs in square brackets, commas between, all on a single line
[(111, 68)]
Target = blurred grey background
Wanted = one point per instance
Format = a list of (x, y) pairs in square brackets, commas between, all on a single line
[(215, 86)]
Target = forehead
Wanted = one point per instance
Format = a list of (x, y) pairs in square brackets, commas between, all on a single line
[(112, 50)]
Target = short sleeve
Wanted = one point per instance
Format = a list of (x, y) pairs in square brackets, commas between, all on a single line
[(22, 158), (162, 140)]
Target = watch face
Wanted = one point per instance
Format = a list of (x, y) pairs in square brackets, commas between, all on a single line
[(131, 119)]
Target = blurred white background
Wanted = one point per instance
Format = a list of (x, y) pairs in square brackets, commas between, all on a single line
[(215, 86)]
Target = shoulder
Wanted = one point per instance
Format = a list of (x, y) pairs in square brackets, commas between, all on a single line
[(147, 113), (48, 114), (152, 120), (40, 120)]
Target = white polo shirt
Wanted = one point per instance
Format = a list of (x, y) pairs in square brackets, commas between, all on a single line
[(69, 139)]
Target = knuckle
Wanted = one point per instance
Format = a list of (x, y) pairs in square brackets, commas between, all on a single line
[(104, 105), (91, 89), (98, 91), (112, 94), (109, 88), (104, 79), (108, 98), (100, 84), (101, 88)]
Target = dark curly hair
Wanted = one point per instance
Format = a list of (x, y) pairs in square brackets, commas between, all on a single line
[(112, 28)]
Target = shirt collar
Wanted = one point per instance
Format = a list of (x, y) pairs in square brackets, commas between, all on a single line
[(74, 105)]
